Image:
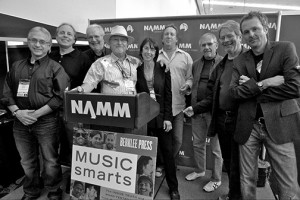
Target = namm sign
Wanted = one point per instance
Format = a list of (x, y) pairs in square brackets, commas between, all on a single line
[(100, 109)]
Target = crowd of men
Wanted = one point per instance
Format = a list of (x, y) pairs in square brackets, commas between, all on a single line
[(242, 101)]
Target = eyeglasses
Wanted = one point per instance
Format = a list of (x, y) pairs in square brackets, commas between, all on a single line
[(35, 41)]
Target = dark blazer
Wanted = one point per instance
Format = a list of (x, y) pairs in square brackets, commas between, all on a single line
[(211, 101), (279, 104), (197, 70), (162, 89)]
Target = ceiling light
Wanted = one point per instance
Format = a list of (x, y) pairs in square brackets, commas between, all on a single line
[(253, 5)]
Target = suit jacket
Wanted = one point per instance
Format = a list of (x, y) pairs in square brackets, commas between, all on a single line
[(279, 104), (211, 101), (197, 70), (163, 93)]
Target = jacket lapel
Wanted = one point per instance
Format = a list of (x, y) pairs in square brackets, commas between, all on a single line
[(250, 65), (266, 59)]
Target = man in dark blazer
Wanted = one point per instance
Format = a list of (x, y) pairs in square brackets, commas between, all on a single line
[(223, 107), (266, 83)]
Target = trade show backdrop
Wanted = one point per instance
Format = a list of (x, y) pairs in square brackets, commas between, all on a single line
[(191, 28)]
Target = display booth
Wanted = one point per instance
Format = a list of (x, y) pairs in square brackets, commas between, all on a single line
[(108, 158)]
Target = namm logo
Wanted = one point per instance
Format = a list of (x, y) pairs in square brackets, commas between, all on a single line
[(133, 46), (107, 29), (185, 45), (272, 25), (184, 27), (101, 109), (154, 28), (211, 26)]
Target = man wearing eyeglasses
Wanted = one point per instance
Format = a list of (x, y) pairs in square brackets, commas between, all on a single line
[(223, 107), (202, 69), (33, 92), (117, 71)]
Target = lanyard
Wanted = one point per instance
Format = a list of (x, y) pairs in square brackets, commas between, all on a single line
[(124, 74)]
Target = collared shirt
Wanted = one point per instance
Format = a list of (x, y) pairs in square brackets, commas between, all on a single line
[(180, 65), (110, 70), (48, 81), (75, 63)]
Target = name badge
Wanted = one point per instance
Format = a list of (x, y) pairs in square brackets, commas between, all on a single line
[(129, 85), (23, 88)]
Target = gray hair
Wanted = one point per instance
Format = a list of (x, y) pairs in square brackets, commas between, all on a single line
[(43, 30), (211, 35), (96, 26), (231, 25), (67, 24)]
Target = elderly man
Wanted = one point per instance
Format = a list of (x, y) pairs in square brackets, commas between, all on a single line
[(94, 34), (266, 83), (117, 71), (223, 106), (202, 69), (33, 92)]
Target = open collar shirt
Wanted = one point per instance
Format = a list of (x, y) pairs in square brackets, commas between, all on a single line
[(48, 81), (180, 65), (113, 73)]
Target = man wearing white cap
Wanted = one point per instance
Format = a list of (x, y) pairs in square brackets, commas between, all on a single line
[(117, 71)]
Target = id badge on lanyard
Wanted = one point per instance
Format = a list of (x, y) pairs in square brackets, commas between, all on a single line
[(23, 88), (129, 85)]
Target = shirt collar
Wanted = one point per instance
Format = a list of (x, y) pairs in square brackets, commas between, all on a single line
[(176, 50), (115, 58), (39, 61)]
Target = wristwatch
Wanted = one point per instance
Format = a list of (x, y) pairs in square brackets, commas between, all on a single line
[(14, 113), (260, 85)]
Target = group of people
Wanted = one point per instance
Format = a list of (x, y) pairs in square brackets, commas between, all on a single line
[(242, 101)]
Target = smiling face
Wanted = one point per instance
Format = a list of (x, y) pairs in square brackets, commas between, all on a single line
[(170, 37), (230, 41), (65, 36), (118, 45), (78, 190), (39, 44), (148, 52), (145, 188), (208, 46), (254, 34), (95, 38), (97, 141)]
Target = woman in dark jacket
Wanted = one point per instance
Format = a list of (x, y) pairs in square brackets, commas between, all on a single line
[(152, 79)]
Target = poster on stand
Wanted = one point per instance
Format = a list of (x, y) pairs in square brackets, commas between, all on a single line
[(111, 165)]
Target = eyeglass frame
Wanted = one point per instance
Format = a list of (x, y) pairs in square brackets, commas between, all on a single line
[(35, 41)]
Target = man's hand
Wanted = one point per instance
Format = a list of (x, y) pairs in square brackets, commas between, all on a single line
[(273, 82), (185, 89), (26, 117), (189, 111), (167, 126), (164, 62), (243, 79)]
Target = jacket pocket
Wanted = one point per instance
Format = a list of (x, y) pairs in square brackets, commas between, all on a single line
[(289, 107)]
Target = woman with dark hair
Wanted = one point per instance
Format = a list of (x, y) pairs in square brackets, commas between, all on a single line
[(153, 79), (96, 139)]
